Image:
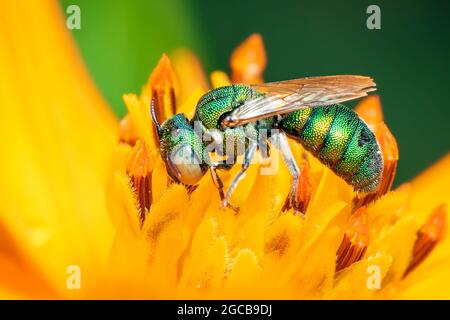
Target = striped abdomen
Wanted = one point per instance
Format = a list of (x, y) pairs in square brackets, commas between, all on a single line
[(341, 140)]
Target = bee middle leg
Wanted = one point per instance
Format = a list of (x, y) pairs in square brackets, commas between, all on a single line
[(248, 156), (281, 142)]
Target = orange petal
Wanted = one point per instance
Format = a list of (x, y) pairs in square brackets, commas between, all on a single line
[(431, 233), (387, 242), (123, 205), (370, 110), (353, 283), (244, 276), (190, 73), (356, 240), (189, 103), (140, 121), (311, 271), (219, 79), (164, 237), (62, 136), (389, 148), (139, 169), (430, 188), (205, 265), (304, 188), (20, 281), (127, 131), (248, 60), (18, 278)]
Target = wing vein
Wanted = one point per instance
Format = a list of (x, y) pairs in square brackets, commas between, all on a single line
[(283, 97)]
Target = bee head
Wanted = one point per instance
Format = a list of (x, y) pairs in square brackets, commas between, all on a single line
[(182, 150)]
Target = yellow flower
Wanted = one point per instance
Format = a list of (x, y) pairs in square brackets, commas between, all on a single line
[(81, 189)]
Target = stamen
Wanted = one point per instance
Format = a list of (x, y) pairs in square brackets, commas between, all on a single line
[(127, 132), (191, 188), (389, 148), (304, 189), (428, 237), (355, 241), (139, 169), (163, 82), (248, 61)]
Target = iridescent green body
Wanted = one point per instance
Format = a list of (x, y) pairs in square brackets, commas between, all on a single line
[(216, 102), (340, 139), (220, 101), (334, 134)]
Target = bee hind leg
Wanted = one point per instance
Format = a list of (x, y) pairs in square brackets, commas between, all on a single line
[(248, 155), (281, 142)]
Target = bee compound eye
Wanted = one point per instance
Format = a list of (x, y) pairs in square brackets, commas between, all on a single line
[(185, 165)]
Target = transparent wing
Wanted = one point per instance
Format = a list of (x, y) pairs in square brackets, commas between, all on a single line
[(288, 96)]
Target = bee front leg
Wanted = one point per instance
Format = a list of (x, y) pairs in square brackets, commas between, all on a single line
[(281, 142), (219, 185), (248, 156)]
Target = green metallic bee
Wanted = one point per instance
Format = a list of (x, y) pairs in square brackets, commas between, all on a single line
[(306, 110)]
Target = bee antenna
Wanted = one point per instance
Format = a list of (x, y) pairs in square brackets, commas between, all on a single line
[(154, 117)]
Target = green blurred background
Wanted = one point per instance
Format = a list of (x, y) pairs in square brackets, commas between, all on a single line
[(121, 41)]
